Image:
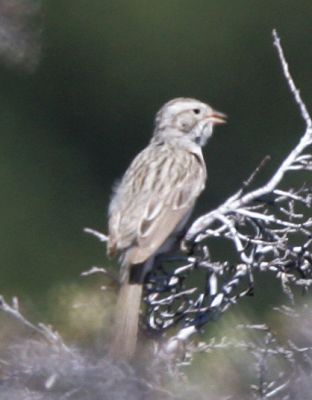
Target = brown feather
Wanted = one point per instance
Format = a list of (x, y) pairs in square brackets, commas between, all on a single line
[(162, 227), (142, 230), (126, 322)]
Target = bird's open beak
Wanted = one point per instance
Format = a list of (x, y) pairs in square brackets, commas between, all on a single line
[(218, 117)]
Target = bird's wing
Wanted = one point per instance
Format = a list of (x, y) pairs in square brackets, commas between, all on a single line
[(166, 207), (156, 193)]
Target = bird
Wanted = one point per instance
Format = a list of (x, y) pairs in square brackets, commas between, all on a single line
[(152, 203)]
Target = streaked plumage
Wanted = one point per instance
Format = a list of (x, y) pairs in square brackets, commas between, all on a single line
[(165, 191), (151, 204)]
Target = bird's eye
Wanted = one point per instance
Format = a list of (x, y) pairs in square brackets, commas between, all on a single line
[(196, 110)]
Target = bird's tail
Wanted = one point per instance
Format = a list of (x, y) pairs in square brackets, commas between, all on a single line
[(126, 321)]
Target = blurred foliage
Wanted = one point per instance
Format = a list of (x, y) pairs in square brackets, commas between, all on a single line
[(242, 361), (72, 122)]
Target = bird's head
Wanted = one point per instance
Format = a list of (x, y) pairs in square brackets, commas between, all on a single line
[(188, 119)]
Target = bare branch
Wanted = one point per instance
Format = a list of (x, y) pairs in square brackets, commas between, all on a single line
[(42, 329), (303, 109), (99, 235), (261, 225), (293, 161)]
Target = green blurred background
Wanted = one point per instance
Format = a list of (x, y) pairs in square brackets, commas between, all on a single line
[(78, 100)]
